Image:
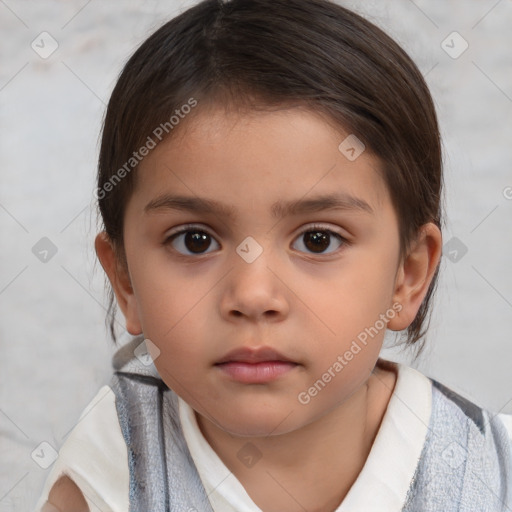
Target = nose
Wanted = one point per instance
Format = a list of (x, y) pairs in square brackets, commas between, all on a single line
[(254, 292)]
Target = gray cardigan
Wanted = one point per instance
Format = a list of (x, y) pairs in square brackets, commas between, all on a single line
[(465, 465)]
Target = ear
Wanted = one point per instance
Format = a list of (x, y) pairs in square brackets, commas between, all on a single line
[(119, 278), (415, 274)]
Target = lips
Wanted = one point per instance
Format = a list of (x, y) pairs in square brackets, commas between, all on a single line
[(257, 355), (255, 366)]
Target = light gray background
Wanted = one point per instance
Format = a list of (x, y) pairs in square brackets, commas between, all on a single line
[(54, 347)]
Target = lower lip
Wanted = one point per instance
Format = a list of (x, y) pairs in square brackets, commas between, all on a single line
[(256, 373)]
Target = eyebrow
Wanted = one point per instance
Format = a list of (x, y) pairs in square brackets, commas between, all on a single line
[(279, 209)]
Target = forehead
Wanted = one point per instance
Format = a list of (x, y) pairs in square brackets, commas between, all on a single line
[(254, 156)]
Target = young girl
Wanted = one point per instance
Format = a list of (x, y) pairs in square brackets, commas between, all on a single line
[(270, 185)]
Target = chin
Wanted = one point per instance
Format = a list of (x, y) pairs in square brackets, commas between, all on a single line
[(249, 424), (255, 423)]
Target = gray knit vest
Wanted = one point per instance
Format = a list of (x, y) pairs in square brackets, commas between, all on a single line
[(465, 465)]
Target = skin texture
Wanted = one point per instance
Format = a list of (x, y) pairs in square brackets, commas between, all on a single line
[(310, 306), (65, 496)]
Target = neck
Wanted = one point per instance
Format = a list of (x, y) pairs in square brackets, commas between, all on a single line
[(316, 464)]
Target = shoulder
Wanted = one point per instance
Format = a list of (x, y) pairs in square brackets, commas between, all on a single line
[(482, 422), (65, 496), (486, 430), (473, 436), (93, 459), (466, 461)]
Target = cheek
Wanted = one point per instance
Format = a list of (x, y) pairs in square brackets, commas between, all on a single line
[(165, 296), (354, 300), (172, 320), (348, 316), (174, 314)]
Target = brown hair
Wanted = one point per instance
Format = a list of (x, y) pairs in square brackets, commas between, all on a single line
[(269, 54)]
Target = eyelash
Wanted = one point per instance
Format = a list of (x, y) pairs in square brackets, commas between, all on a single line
[(192, 228)]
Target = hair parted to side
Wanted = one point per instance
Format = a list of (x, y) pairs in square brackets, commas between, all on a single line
[(270, 54)]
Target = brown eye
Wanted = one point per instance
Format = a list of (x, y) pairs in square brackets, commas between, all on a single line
[(318, 241), (191, 241), (197, 242)]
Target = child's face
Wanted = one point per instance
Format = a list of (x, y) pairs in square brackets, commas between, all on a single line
[(200, 296)]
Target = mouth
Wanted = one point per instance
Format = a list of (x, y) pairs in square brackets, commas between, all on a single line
[(255, 355), (255, 366)]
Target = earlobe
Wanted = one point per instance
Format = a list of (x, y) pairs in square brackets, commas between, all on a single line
[(119, 278), (415, 275)]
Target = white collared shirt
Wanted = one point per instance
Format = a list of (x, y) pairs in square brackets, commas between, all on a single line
[(95, 455), (388, 470)]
